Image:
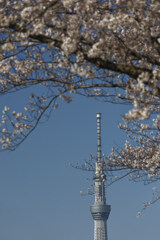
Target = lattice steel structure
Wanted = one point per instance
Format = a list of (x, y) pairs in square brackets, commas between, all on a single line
[(100, 210)]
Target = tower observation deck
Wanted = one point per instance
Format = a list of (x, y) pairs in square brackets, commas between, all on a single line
[(100, 210)]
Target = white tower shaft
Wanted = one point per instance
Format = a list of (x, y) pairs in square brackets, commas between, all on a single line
[(100, 211)]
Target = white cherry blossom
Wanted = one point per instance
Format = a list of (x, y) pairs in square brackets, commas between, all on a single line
[(109, 50)]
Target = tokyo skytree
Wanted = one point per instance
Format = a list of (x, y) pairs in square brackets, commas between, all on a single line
[(100, 210)]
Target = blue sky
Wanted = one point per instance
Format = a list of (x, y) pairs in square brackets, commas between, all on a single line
[(40, 192)]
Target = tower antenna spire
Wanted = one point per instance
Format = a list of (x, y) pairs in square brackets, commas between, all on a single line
[(99, 151), (99, 148)]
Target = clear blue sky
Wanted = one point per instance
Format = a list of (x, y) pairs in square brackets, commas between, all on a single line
[(39, 191)]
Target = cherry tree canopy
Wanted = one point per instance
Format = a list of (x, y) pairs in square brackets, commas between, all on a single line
[(109, 50)]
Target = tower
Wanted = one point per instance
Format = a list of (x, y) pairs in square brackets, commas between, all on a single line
[(100, 210)]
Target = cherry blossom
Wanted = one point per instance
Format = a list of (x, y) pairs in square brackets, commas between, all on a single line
[(109, 50)]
